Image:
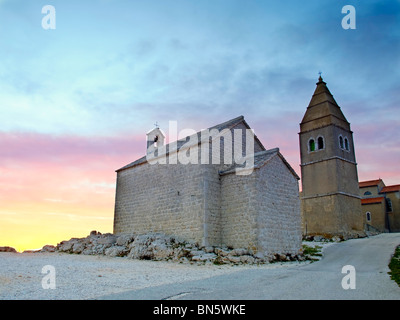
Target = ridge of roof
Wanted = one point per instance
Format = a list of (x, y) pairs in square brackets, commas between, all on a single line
[(228, 123), (392, 188), (180, 142), (260, 159), (369, 183)]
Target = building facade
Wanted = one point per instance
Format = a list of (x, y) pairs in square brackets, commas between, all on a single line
[(380, 206)]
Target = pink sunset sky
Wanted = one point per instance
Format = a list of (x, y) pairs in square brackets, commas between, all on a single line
[(77, 101)]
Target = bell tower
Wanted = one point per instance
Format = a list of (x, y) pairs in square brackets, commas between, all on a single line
[(155, 141), (330, 198)]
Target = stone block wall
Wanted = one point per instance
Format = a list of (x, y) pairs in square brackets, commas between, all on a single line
[(239, 211), (278, 207), (261, 211), (333, 215), (212, 206), (161, 198)]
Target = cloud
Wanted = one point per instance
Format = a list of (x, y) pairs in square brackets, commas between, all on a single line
[(73, 171), (31, 147), (75, 217)]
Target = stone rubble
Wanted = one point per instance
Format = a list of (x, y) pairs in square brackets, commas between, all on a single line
[(158, 246)]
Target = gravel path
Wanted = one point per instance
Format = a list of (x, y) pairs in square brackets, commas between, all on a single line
[(322, 280), (88, 277)]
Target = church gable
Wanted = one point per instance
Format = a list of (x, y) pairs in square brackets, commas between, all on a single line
[(214, 145), (261, 159), (258, 146)]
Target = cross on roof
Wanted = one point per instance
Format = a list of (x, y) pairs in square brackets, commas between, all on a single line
[(156, 124), (320, 77)]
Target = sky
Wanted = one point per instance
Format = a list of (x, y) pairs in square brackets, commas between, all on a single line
[(76, 101)]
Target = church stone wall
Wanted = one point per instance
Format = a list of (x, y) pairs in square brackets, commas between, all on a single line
[(161, 198), (238, 211), (279, 219), (261, 211), (212, 207)]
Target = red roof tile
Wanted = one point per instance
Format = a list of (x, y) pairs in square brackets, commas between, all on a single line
[(393, 188), (369, 183), (372, 200)]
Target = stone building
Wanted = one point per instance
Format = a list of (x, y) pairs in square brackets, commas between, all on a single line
[(330, 195), (192, 189), (380, 206)]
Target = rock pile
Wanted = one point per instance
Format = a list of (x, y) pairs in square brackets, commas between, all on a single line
[(7, 249), (157, 246), (320, 238)]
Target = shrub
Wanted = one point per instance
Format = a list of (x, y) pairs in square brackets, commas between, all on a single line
[(394, 266)]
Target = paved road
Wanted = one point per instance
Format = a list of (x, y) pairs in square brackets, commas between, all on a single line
[(319, 280)]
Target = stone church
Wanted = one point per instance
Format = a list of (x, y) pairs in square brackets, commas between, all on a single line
[(330, 199), (212, 200), (202, 189)]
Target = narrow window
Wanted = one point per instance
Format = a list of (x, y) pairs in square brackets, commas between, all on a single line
[(389, 205), (155, 141), (311, 145), (341, 142), (346, 144), (368, 216), (320, 143)]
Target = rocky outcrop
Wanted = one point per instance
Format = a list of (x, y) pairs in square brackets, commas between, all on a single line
[(95, 243), (48, 248), (158, 246), (8, 249)]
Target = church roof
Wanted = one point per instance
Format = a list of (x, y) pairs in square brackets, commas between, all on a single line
[(372, 200), (179, 143), (323, 110), (369, 183), (228, 124), (393, 188), (260, 159), (134, 163)]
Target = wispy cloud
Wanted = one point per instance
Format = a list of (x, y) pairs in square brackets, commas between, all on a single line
[(77, 217)]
